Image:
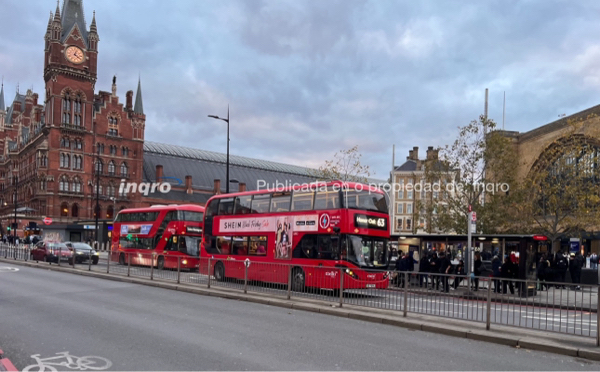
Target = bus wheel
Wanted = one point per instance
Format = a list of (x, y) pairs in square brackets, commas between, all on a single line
[(121, 259), (160, 264), (298, 280), (219, 272)]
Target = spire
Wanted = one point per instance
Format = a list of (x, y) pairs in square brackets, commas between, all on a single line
[(57, 13), (72, 16), (2, 107), (138, 108), (49, 24), (93, 28)]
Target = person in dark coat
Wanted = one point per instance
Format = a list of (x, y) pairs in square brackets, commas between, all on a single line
[(477, 271), (460, 272), (445, 266), (560, 272), (496, 264), (434, 268), (575, 265), (401, 268), (424, 269), (507, 274), (542, 269)]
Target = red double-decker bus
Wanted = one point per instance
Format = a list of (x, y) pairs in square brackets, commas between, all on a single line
[(314, 229), (158, 236)]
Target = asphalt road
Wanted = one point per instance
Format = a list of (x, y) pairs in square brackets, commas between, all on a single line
[(522, 314), (135, 327)]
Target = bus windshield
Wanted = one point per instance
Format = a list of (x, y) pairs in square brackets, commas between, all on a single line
[(365, 200), (190, 245), (365, 250)]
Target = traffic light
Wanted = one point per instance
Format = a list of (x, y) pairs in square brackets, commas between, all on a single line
[(8, 228)]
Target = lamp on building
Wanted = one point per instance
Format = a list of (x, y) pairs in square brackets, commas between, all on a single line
[(227, 170)]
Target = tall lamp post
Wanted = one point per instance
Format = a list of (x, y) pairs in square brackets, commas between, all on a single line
[(97, 208), (15, 224), (227, 172)]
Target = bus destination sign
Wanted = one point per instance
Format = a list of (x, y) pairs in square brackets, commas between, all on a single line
[(369, 222)]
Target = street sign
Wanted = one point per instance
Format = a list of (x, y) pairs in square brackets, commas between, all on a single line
[(47, 220), (247, 262), (474, 216)]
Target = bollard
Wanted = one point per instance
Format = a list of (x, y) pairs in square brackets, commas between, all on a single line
[(74, 258), (89, 261), (405, 304), (178, 269), (107, 261), (341, 287), (128, 263), (489, 307), (59, 254), (289, 294), (208, 272), (245, 277), (152, 266)]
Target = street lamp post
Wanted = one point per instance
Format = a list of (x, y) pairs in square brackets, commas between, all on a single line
[(97, 209), (15, 224), (227, 171)]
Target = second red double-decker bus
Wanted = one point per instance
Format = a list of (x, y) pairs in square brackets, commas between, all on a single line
[(315, 230), (159, 236)]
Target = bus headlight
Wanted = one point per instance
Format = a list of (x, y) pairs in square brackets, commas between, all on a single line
[(184, 262)]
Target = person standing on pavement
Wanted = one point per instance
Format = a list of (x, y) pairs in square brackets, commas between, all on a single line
[(460, 272), (434, 269), (424, 269), (594, 261), (400, 270), (575, 265), (507, 275), (445, 266), (561, 269), (477, 271), (496, 264), (542, 268)]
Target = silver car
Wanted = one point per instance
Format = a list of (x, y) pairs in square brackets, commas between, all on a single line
[(82, 252)]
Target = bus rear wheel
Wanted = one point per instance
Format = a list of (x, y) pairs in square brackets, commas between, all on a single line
[(121, 259), (160, 263), (219, 271), (298, 280)]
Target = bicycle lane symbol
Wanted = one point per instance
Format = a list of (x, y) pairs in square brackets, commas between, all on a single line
[(64, 359)]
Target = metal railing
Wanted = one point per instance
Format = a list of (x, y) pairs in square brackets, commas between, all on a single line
[(565, 308)]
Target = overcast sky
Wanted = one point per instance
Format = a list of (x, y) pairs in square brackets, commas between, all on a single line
[(305, 79)]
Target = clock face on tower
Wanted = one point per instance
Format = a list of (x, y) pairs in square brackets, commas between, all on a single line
[(74, 54)]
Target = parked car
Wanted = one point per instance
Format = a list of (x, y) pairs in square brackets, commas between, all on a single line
[(51, 252), (83, 251)]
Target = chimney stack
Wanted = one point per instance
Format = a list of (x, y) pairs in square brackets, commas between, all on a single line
[(430, 153), (416, 153), (129, 104), (159, 173), (188, 185), (410, 155), (217, 187), (242, 186)]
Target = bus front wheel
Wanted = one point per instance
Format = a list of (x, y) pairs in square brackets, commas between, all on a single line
[(219, 272), (298, 279), (160, 263)]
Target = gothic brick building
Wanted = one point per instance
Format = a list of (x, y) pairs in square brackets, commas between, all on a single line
[(53, 149)]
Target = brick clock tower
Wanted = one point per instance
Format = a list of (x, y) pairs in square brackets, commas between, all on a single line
[(54, 154)]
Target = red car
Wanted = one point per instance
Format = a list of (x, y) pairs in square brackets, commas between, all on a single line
[(51, 252)]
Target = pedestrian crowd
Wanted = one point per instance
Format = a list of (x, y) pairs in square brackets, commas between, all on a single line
[(554, 266)]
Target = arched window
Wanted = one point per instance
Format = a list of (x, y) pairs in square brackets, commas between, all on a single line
[(75, 210), (76, 185), (113, 150), (77, 111), (125, 151), (64, 210), (110, 212), (100, 146), (98, 210), (124, 170), (110, 190), (113, 126), (63, 184), (64, 142), (78, 162), (111, 168), (99, 166), (78, 144), (64, 160)]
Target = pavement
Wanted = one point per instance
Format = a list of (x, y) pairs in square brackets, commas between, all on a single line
[(557, 343)]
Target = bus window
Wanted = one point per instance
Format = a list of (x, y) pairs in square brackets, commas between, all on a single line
[(258, 245), (240, 245), (243, 204), (306, 247), (327, 247), (280, 202), (260, 203), (328, 199), (224, 244), (212, 208), (302, 201), (226, 206)]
